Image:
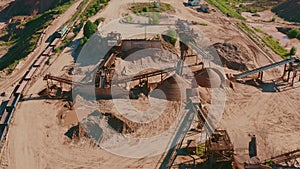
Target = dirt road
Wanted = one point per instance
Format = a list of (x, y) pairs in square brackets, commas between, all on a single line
[(36, 140)]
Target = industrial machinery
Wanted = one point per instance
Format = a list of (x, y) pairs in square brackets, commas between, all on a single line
[(193, 2), (62, 31)]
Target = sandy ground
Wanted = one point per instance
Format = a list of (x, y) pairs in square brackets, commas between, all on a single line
[(36, 139), (272, 116)]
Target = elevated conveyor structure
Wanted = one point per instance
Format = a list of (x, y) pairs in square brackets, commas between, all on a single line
[(170, 156), (263, 68), (184, 126), (61, 80), (286, 157)]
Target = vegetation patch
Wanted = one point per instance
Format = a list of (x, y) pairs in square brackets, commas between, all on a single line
[(266, 39), (274, 45), (94, 7), (200, 149), (139, 8), (294, 33), (172, 36), (153, 18), (128, 18)]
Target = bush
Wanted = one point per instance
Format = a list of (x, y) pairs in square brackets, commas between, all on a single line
[(172, 34), (83, 41), (154, 18), (294, 33), (273, 19), (57, 50), (128, 18), (97, 22), (145, 9), (293, 51), (77, 28)]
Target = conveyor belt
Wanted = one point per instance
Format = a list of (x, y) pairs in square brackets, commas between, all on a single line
[(176, 143), (285, 157), (185, 125), (59, 79), (145, 75), (250, 72)]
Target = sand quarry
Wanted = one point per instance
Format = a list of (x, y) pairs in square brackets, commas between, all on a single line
[(37, 140)]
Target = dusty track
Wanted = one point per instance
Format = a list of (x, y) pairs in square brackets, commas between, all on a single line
[(36, 141)]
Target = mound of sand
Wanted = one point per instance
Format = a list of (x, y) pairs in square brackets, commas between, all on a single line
[(208, 78)]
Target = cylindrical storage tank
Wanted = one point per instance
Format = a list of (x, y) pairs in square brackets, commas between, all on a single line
[(209, 78)]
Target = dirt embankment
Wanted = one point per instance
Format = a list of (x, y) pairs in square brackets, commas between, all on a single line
[(234, 56)]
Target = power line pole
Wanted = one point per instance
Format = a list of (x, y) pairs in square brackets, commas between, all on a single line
[(145, 30)]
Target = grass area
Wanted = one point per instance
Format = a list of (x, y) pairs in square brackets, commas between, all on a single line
[(226, 8), (251, 5), (138, 8), (265, 38), (245, 27), (128, 18), (275, 46), (24, 42)]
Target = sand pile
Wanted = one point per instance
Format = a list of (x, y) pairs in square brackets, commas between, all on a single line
[(234, 56), (209, 78), (101, 127), (142, 60), (172, 87)]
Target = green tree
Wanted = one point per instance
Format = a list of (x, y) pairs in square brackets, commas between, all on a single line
[(89, 29), (172, 34), (293, 51)]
